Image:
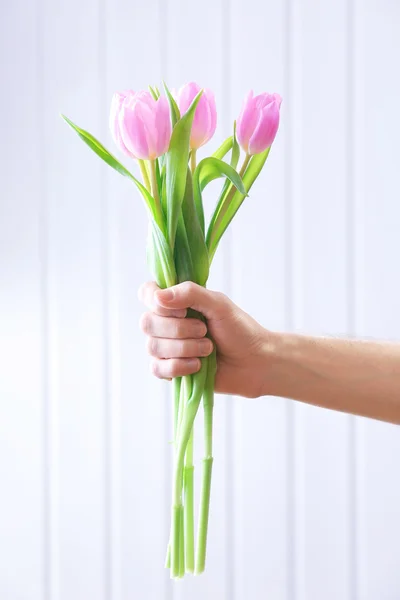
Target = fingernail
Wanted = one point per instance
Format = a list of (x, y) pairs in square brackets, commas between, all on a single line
[(165, 295), (193, 363), (205, 347)]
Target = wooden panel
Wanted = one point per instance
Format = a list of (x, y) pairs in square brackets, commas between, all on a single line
[(258, 285), (140, 449), (324, 540), (72, 84), (22, 361), (379, 492)]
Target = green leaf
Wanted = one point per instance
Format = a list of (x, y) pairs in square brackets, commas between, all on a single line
[(153, 92), (235, 155), (176, 167), (175, 113), (197, 244), (182, 254), (206, 171), (105, 155), (252, 172), (163, 191), (224, 148), (159, 257)]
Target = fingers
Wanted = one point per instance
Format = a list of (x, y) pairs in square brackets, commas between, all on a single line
[(174, 367), (170, 327), (212, 305), (164, 348), (146, 295)]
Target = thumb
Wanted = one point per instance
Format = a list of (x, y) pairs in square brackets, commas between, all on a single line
[(212, 305)]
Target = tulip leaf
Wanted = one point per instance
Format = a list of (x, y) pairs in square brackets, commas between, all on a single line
[(182, 254), (175, 113), (159, 257), (235, 155), (176, 167), (224, 148), (197, 244), (206, 171), (252, 172), (154, 92), (105, 155)]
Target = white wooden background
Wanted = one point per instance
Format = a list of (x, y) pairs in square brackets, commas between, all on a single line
[(306, 503)]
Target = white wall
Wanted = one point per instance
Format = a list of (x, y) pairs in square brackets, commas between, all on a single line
[(306, 503)]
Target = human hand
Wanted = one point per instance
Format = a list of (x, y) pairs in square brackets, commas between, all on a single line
[(175, 342)]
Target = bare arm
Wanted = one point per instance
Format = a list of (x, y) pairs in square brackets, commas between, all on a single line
[(362, 378)]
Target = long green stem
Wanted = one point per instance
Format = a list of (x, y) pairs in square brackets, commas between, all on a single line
[(208, 404), (145, 175), (184, 432), (156, 195), (224, 208), (193, 160), (188, 507), (177, 392)]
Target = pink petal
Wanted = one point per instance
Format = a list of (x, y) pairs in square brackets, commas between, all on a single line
[(266, 129), (133, 132), (247, 121)]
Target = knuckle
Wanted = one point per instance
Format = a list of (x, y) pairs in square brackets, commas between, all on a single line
[(153, 346), (181, 348), (155, 369), (146, 321), (188, 287), (174, 370)]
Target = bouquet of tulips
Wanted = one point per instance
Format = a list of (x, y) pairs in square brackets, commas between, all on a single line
[(162, 134)]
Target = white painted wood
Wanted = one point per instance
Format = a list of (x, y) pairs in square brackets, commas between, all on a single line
[(143, 428), (304, 502), (74, 193), (380, 492), (258, 285), (22, 356), (325, 545)]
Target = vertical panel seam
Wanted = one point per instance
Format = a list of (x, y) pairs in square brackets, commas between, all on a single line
[(229, 500), (290, 567), (164, 58), (108, 550), (351, 267)]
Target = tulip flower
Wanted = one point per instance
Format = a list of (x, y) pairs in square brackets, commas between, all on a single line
[(258, 122), (205, 117), (116, 105), (144, 125)]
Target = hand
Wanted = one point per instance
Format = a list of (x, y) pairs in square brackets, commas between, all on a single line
[(176, 342)]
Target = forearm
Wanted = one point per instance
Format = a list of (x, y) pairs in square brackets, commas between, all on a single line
[(357, 377)]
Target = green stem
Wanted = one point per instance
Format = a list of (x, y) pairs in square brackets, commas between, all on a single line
[(193, 160), (208, 404), (184, 432), (188, 507), (182, 546), (156, 195), (145, 175), (224, 208), (177, 391)]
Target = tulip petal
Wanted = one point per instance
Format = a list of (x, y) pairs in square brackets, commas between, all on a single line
[(247, 121), (266, 129), (133, 132)]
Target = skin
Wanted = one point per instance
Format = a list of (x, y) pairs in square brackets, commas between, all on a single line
[(356, 377)]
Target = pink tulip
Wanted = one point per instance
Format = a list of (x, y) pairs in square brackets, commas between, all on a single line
[(258, 122), (205, 117), (116, 105), (142, 125)]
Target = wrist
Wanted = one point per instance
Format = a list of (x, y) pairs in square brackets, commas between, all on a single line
[(278, 350)]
